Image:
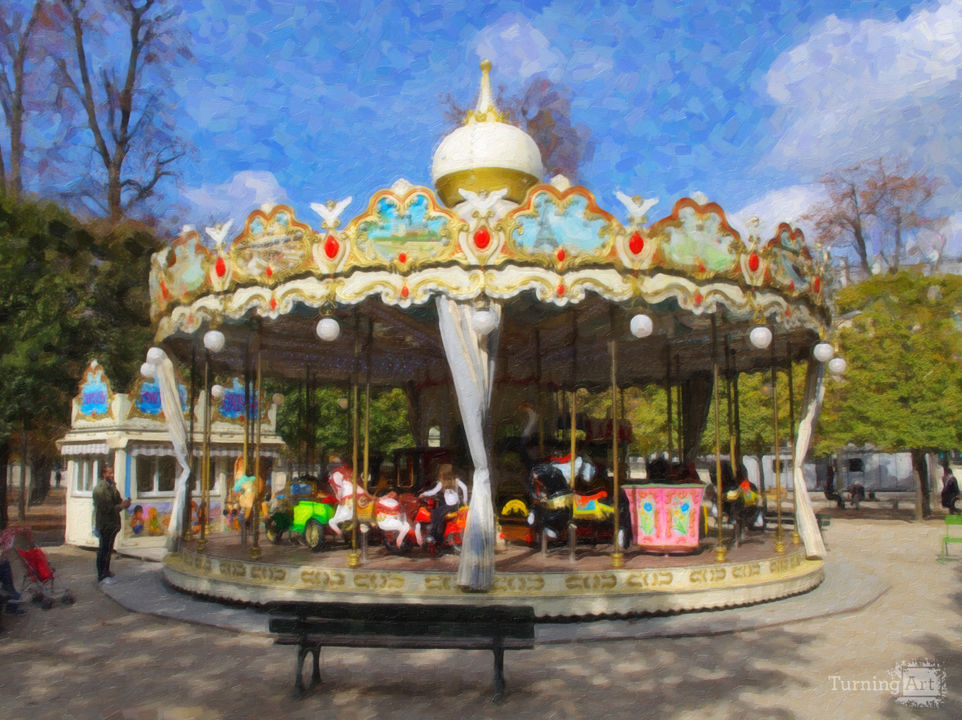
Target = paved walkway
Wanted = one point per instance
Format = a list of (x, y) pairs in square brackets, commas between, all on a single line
[(830, 653)]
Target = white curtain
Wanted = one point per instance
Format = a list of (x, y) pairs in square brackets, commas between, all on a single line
[(471, 356), (177, 429), (804, 514)]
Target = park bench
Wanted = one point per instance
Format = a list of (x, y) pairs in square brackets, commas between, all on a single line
[(311, 626)]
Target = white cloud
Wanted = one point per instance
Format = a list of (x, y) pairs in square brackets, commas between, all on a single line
[(518, 49), (235, 199), (861, 90), (786, 204)]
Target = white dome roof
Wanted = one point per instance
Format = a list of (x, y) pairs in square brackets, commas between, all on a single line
[(486, 154)]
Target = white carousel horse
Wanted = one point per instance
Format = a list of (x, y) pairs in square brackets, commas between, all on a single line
[(385, 511)]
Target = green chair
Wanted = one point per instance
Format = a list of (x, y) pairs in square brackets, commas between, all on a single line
[(950, 520)]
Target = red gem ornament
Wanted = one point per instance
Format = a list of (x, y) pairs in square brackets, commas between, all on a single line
[(405, 292), (701, 267), (753, 262), (817, 284), (698, 298), (482, 238), (636, 244), (402, 258), (273, 303), (165, 293), (791, 286), (561, 289), (331, 246), (269, 271), (561, 255), (220, 267)]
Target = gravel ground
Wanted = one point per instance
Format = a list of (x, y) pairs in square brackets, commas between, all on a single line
[(94, 659)]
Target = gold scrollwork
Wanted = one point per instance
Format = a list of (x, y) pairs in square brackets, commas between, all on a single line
[(707, 575), (439, 583), (518, 583), (747, 570), (649, 579), (592, 582), (268, 573), (322, 578), (378, 581), (233, 568)]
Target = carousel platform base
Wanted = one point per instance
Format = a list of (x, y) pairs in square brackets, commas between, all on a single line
[(557, 588)]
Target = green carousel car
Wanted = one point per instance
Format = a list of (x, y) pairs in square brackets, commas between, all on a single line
[(303, 512)]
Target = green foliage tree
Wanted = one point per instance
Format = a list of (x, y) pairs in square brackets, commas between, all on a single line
[(902, 390), (316, 425), (68, 293)]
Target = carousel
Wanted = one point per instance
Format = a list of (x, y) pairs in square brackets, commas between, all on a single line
[(492, 293)]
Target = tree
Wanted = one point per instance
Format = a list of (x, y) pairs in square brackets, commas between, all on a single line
[(872, 209), (132, 137), (68, 293), (16, 44), (902, 390)]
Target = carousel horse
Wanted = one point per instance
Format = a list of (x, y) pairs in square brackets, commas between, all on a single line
[(341, 479), (239, 504), (554, 504), (400, 519)]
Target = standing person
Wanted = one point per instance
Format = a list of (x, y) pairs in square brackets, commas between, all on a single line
[(950, 492), (107, 507)]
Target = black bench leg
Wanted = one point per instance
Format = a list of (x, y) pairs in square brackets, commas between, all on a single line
[(302, 651), (498, 674)]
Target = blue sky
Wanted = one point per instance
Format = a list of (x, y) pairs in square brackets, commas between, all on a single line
[(749, 103)]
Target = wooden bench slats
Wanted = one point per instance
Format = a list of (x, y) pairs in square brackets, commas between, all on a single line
[(359, 628), (411, 643)]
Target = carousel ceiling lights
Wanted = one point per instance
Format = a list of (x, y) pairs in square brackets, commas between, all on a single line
[(642, 325), (217, 391), (823, 352), (760, 336), (837, 365), (328, 329), (148, 371), (214, 340), (484, 321), (278, 399)]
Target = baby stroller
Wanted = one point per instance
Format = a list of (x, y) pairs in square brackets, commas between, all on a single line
[(39, 579)]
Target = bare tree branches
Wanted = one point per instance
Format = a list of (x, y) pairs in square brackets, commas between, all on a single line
[(121, 115), (877, 209), (16, 35)]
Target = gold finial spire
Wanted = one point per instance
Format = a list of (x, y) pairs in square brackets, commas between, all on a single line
[(484, 110)]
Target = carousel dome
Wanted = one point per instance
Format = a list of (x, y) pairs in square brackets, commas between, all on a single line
[(486, 153)]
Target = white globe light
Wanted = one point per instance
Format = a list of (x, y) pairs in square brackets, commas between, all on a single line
[(760, 336), (823, 352), (217, 391), (278, 399), (214, 340), (328, 329), (484, 321), (642, 325), (148, 371), (155, 356), (837, 365)]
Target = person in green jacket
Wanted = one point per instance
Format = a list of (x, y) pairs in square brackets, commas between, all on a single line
[(107, 507)]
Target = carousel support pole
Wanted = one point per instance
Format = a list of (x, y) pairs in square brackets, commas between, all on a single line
[(205, 467), (572, 528), (680, 409), (735, 460), (246, 446), (617, 559), (188, 496), (668, 399), (779, 543), (720, 550), (539, 400), (353, 560), (256, 510), (736, 401), (367, 431), (796, 538)]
